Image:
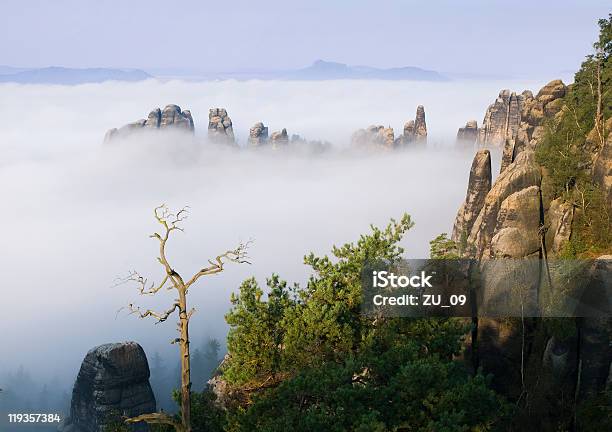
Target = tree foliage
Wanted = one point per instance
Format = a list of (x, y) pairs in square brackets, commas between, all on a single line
[(308, 359)]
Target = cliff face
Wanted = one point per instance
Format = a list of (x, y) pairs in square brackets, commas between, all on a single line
[(113, 381), (171, 117), (514, 219), (479, 186)]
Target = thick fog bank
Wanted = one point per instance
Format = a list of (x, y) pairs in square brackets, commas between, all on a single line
[(77, 214)]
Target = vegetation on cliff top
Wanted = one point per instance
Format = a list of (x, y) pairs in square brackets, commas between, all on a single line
[(571, 140)]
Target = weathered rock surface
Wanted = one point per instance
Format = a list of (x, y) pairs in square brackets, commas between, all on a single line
[(560, 216), (517, 119), (518, 220), (220, 128), (479, 186), (469, 133), (171, 117), (258, 135), (113, 380), (521, 174), (501, 120)]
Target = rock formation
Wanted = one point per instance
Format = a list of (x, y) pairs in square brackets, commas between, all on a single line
[(374, 136), (378, 136), (469, 133), (258, 135), (279, 139), (113, 381), (515, 219), (521, 174), (420, 127), (171, 117), (220, 126), (479, 186), (414, 130)]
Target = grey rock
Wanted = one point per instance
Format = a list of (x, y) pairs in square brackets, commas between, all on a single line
[(113, 380), (171, 117)]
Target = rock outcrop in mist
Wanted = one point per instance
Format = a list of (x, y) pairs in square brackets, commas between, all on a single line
[(378, 136), (220, 128), (113, 381), (515, 118), (469, 133), (171, 117)]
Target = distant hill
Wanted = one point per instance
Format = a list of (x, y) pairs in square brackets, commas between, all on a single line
[(68, 76), (325, 70)]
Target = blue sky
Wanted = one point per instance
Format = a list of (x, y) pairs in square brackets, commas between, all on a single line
[(494, 37)]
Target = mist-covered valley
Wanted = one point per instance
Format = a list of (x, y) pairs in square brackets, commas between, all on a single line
[(77, 213)]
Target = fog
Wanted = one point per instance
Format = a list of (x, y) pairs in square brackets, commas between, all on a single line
[(76, 214)]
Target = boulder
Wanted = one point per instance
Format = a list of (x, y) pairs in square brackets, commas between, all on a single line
[(113, 381), (479, 186)]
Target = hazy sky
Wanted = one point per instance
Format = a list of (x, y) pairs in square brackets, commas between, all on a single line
[(516, 37)]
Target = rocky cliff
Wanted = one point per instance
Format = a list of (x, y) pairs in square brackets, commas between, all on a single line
[(113, 381), (171, 117), (515, 218)]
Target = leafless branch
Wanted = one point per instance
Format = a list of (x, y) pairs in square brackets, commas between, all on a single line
[(161, 317), (238, 255)]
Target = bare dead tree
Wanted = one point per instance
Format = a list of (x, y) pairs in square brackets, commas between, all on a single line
[(173, 281)]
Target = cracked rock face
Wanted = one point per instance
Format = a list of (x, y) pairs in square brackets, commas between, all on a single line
[(171, 117), (502, 120), (113, 380), (220, 128), (479, 186), (521, 174)]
